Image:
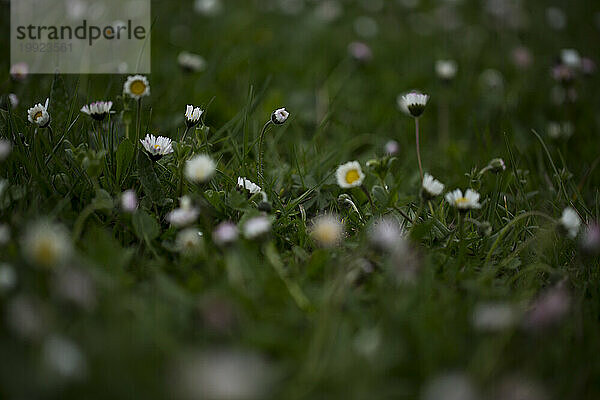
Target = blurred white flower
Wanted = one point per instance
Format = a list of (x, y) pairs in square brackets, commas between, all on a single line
[(225, 233), (192, 115), (391, 148), (570, 221), (557, 130), (5, 149), (452, 386), (431, 186), (98, 110), (208, 8), (185, 214), (13, 99), (191, 62), (590, 242), (251, 187), (25, 317), (521, 57), (556, 18), (76, 286), (64, 357), (469, 201), (256, 227), (129, 201), (386, 234), (360, 51), (136, 87), (492, 79), (548, 308), (328, 10), (279, 116), (47, 244), (8, 278), (38, 114), (327, 230), (200, 168), (4, 234), (413, 103), (570, 58), (157, 147), (492, 317), (446, 69), (19, 71), (349, 175), (189, 241), (366, 27)]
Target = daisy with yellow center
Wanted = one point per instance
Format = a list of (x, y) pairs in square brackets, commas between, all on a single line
[(157, 147), (350, 175), (38, 114), (136, 87), (470, 200), (47, 244)]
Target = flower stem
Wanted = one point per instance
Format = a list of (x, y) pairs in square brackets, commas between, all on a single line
[(462, 244), (418, 148), (261, 155), (366, 192), (187, 129), (138, 126)]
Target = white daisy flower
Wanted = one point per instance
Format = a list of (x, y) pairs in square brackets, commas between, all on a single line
[(327, 230), (570, 221), (200, 168), (189, 241), (279, 116), (97, 110), (386, 234), (46, 244), (248, 185), (157, 146), (192, 115), (191, 62), (136, 87), (256, 227), (5, 149), (413, 103), (129, 201), (38, 114), (469, 201), (570, 58), (446, 69), (431, 186), (225, 233), (19, 71), (349, 175), (13, 99), (391, 148), (185, 214)]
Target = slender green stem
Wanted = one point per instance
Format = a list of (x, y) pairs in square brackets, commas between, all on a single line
[(261, 153), (462, 244), (418, 148), (187, 129), (138, 126), (366, 192)]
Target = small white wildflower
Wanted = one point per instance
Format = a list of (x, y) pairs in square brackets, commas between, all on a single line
[(279, 116), (431, 186), (251, 187), (47, 244), (129, 201), (225, 233), (5, 149), (64, 357), (327, 230), (208, 8), (469, 201), (192, 115), (13, 99), (98, 110), (185, 214), (19, 71), (256, 227), (38, 114), (8, 278), (386, 234), (391, 148), (446, 69), (570, 221), (413, 103), (189, 241), (570, 58), (492, 317), (136, 87), (191, 62), (157, 147), (349, 175), (200, 168)]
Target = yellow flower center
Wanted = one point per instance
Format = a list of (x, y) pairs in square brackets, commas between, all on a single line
[(138, 87), (45, 253), (157, 146), (462, 200), (38, 115), (352, 176)]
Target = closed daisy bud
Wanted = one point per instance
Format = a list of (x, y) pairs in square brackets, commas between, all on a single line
[(470, 200), (190, 62), (431, 187), (136, 87), (38, 114), (497, 165), (47, 244), (98, 110), (414, 103), (225, 233), (192, 115), (256, 227), (391, 148), (327, 230), (185, 214), (349, 175), (129, 201), (446, 69), (200, 168), (248, 185), (279, 116), (570, 222), (157, 147)]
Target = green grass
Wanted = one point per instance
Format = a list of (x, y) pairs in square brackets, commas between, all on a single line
[(327, 323)]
